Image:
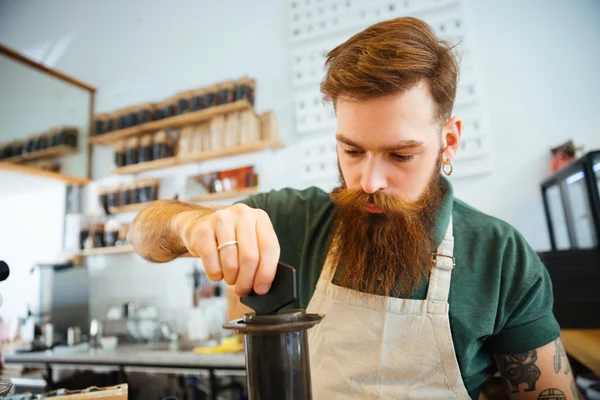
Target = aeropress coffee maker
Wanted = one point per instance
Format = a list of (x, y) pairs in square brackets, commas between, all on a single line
[(276, 341)]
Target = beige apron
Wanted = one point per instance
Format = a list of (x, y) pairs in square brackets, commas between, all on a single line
[(376, 347)]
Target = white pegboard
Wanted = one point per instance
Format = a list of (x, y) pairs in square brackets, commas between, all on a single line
[(317, 26), (310, 19), (319, 158), (311, 113)]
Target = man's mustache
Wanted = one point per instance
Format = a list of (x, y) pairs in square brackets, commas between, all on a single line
[(390, 204)]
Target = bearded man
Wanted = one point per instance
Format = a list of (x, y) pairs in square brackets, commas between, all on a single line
[(424, 297)]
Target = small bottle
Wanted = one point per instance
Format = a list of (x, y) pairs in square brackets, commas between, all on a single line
[(111, 232), (160, 148), (145, 151), (119, 158), (99, 124), (131, 151)]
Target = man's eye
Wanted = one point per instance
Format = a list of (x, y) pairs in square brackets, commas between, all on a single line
[(352, 153), (402, 157)]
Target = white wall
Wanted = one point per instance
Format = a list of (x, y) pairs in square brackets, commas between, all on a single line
[(30, 233), (538, 61)]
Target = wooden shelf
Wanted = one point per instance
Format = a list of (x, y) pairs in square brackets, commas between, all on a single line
[(223, 195), (233, 151), (129, 207), (146, 166), (172, 122), (204, 156), (51, 152), (23, 169), (107, 250)]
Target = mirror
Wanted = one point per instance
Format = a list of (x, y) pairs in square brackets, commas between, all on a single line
[(45, 121)]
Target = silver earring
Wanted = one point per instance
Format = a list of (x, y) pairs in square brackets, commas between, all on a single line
[(448, 172)]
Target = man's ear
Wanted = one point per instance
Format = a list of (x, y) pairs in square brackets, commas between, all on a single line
[(451, 132)]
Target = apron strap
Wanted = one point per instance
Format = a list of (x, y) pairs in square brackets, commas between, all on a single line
[(439, 281)]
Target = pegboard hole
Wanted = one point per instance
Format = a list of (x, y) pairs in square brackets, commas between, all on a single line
[(309, 28), (392, 7), (471, 90), (323, 166), (457, 23), (296, 32), (296, 17), (442, 27), (406, 4), (476, 126), (299, 75), (302, 105), (316, 101), (348, 4), (293, 4), (363, 14), (298, 60), (307, 169)]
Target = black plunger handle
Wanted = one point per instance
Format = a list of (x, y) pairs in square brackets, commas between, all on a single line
[(282, 292)]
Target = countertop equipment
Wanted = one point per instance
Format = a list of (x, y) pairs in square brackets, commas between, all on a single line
[(276, 341)]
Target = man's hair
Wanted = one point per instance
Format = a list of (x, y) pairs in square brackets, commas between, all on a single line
[(391, 57)]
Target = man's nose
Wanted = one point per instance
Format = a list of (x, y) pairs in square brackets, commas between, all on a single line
[(373, 176)]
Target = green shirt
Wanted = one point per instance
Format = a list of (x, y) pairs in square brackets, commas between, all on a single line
[(500, 294)]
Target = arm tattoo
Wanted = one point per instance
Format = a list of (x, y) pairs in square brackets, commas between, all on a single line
[(519, 369), (552, 394), (560, 358), (575, 391)]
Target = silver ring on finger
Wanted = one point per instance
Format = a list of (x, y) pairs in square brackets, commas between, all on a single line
[(228, 243)]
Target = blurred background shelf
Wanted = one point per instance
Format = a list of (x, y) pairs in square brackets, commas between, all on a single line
[(171, 122), (146, 166), (129, 208), (223, 195), (233, 151), (107, 250), (56, 151), (204, 156), (23, 169)]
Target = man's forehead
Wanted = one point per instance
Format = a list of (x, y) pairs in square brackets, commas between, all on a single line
[(406, 116)]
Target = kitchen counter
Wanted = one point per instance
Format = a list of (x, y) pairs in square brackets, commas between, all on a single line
[(128, 358), (583, 345), (132, 355)]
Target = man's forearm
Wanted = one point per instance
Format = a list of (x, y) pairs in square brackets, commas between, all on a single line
[(155, 232)]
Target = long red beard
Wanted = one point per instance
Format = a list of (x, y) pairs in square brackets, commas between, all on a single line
[(388, 253)]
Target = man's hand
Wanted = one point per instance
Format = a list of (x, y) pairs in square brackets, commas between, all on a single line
[(540, 374), (251, 264), (167, 229)]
